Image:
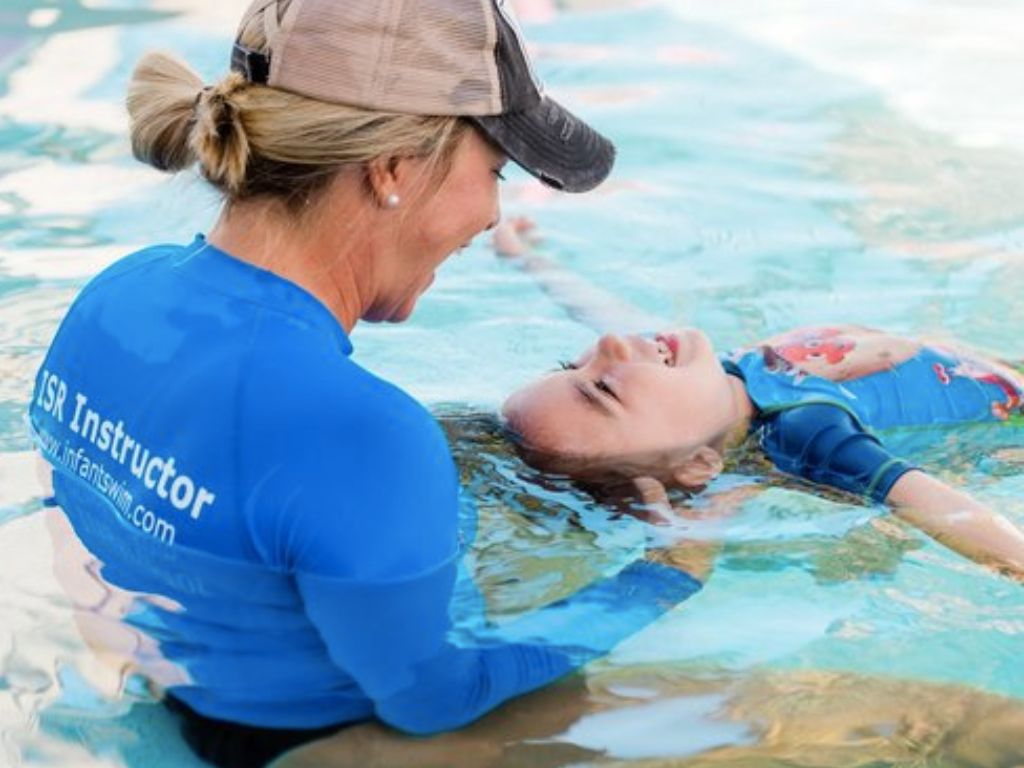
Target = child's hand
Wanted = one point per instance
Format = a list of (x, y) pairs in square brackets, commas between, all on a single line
[(510, 237)]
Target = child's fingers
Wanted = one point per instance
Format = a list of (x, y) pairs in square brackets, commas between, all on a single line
[(506, 240), (522, 224)]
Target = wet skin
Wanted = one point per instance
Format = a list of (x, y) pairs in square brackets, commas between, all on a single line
[(633, 396)]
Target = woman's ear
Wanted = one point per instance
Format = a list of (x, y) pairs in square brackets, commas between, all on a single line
[(382, 180), (394, 180), (703, 466)]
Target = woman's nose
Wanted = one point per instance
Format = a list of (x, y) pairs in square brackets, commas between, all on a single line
[(613, 347)]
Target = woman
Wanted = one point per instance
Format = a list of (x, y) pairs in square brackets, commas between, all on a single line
[(659, 411), (275, 528)]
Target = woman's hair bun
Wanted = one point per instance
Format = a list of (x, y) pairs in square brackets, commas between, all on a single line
[(218, 137), (177, 121)]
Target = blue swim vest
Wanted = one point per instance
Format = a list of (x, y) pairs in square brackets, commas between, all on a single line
[(827, 431)]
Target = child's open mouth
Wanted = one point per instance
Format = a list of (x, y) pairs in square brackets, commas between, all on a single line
[(669, 345)]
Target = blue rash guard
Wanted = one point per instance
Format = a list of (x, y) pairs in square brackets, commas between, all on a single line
[(822, 430), (214, 445)]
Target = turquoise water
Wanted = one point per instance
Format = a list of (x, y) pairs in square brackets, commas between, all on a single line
[(776, 168)]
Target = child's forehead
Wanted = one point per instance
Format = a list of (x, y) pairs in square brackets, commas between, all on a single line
[(555, 412)]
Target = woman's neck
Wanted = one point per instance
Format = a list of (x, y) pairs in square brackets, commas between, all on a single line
[(331, 262)]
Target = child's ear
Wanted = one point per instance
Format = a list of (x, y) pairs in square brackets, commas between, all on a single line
[(700, 469)]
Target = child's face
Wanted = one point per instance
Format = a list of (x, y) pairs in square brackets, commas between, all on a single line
[(631, 397)]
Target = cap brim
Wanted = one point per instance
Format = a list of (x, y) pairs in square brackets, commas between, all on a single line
[(553, 144)]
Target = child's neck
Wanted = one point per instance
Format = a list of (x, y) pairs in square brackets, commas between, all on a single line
[(743, 408)]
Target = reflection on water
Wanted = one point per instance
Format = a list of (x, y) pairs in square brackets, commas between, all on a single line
[(671, 717), (777, 167)]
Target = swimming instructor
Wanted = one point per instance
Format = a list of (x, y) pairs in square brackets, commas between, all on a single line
[(292, 518)]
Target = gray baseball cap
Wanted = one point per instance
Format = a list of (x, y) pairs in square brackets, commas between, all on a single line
[(428, 57)]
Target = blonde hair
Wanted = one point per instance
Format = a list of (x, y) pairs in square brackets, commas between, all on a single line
[(251, 140)]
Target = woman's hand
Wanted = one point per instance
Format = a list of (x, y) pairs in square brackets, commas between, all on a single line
[(512, 238)]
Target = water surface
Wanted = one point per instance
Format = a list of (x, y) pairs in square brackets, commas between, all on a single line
[(778, 166)]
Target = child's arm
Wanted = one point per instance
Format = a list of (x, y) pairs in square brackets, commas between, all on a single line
[(584, 301), (824, 444), (958, 521)]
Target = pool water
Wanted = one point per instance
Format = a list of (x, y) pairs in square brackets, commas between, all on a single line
[(778, 166)]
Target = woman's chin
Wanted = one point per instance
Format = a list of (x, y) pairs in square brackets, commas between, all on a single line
[(391, 313), (400, 315)]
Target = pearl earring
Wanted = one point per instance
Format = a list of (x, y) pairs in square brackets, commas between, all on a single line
[(392, 201)]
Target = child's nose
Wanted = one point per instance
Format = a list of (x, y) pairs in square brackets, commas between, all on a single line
[(613, 347)]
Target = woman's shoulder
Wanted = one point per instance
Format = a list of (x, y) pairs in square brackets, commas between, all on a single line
[(306, 382), (137, 262)]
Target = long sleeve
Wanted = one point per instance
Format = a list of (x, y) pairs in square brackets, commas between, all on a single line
[(395, 640)]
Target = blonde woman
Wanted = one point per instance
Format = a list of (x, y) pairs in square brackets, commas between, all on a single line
[(273, 526)]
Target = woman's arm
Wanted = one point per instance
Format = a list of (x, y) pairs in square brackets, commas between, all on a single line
[(372, 540), (585, 302), (960, 522)]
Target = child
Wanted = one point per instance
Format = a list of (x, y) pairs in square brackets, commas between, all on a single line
[(660, 411)]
